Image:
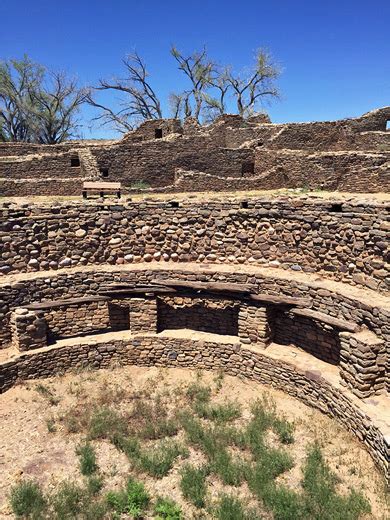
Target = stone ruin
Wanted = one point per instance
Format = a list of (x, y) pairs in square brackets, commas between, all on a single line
[(230, 154), (290, 291)]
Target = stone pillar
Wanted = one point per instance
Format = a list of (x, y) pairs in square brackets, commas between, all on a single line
[(254, 323), (28, 329), (143, 314), (362, 362)]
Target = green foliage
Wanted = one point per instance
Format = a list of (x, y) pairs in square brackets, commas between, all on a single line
[(27, 500), (321, 500), (198, 394), (133, 500), (47, 394), (158, 461), (51, 425), (140, 185), (152, 420), (193, 484), (284, 430), (106, 423), (231, 508), (87, 458), (167, 509), (220, 413), (94, 484), (68, 501)]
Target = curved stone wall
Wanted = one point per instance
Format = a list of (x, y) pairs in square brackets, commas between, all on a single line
[(343, 240), (309, 386)]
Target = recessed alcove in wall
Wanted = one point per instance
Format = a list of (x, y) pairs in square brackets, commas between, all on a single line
[(204, 316), (158, 133), (104, 172), (247, 167), (74, 162)]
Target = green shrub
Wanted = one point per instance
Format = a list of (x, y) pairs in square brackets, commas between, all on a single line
[(284, 503), (47, 394), (284, 430), (158, 461), (27, 500), (95, 484), (167, 509), (105, 423), (198, 393), (152, 420), (68, 501), (87, 458), (129, 445), (231, 508), (132, 500), (321, 500), (220, 413), (193, 484), (230, 472)]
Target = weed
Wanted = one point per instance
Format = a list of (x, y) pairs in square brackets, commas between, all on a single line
[(87, 459), (284, 430), (219, 413), (27, 500), (231, 508), (140, 185), (151, 421), (198, 393), (47, 394), (158, 461), (321, 500), (68, 501), (134, 499), (167, 509), (51, 425), (193, 484), (105, 423), (95, 484)]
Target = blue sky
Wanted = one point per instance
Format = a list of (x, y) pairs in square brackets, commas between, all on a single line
[(335, 55)]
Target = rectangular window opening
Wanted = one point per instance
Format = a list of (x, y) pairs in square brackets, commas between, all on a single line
[(158, 133), (104, 172), (336, 208), (388, 126), (74, 162), (247, 167)]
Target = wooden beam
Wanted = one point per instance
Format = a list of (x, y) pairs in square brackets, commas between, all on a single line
[(273, 299), (328, 320), (220, 287), (61, 303)]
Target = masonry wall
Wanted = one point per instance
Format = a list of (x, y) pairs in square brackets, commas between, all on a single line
[(76, 320), (318, 339), (364, 313), (214, 315), (214, 153), (346, 241)]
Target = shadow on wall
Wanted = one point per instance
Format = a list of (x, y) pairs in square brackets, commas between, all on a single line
[(198, 317)]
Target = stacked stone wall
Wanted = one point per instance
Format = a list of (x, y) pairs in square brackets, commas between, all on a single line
[(215, 315), (320, 340), (214, 153), (344, 240), (71, 285)]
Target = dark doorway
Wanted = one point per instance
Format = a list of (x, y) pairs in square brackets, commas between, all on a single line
[(74, 162), (247, 167), (158, 133)]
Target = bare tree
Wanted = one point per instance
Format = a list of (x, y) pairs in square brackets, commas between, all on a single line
[(141, 101), (18, 79), (180, 106), (215, 102), (54, 109), (258, 84), (199, 69)]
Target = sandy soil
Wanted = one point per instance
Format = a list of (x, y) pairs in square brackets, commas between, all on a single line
[(29, 450), (206, 196)]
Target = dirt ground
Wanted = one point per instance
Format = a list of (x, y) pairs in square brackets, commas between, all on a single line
[(208, 196), (29, 450)]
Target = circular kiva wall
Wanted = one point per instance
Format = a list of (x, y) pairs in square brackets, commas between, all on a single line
[(343, 240), (289, 292)]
